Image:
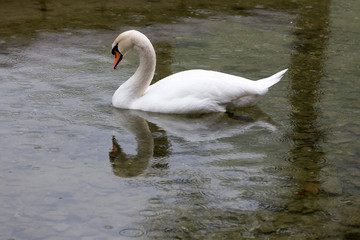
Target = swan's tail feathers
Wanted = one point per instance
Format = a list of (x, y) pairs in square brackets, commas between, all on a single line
[(268, 82)]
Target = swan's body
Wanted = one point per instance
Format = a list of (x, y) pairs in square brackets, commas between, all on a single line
[(193, 91)]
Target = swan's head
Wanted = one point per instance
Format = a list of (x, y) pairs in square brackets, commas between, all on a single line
[(121, 46), (127, 41)]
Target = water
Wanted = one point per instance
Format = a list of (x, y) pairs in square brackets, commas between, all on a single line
[(73, 167)]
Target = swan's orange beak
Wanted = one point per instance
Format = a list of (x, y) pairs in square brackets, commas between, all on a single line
[(118, 57)]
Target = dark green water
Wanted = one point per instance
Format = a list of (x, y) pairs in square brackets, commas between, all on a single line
[(73, 167)]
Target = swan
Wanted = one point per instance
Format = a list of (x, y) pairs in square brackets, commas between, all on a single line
[(191, 91)]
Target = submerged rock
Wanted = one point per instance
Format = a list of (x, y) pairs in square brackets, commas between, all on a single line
[(267, 228), (313, 188), (332, 185)]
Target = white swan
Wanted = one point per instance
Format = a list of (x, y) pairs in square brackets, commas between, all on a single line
[(192, 91)]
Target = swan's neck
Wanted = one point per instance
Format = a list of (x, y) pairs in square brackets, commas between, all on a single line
[(140, 81)]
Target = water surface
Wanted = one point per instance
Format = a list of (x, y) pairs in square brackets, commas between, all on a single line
[(74, 167)]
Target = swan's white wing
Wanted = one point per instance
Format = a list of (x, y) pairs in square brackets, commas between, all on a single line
[(199, 91)]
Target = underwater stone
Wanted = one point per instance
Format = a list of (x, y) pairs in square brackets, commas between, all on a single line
[(332, 185)]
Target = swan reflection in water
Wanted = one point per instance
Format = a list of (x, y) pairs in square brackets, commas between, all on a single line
[(151, 130)]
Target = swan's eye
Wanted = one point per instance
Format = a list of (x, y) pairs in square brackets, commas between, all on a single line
[(115, 48)]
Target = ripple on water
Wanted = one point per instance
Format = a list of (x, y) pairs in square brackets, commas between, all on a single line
[(108, 227), (61, 131), (147, 213), (131, 232), (39, 104), (16, 105), (54, 149), (44, 118), (19, 132), (155, 200), (28, 146)]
